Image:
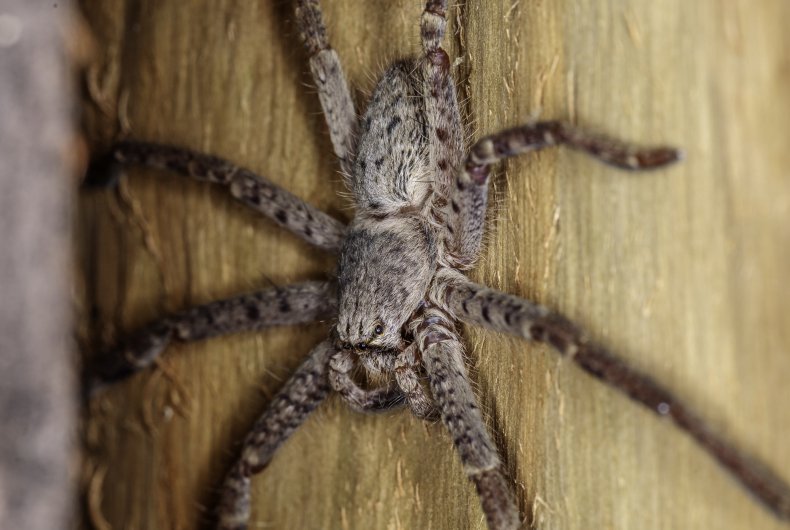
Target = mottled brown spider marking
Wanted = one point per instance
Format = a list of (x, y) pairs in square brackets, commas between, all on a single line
[(420, 214), (333, 92), (519, 140), (257, 192), (442, 354), (506, 313), (306, 389), (496, 499), (277, 306)]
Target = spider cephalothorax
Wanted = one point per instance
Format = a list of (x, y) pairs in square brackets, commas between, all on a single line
[(384, 270), (399, 293)]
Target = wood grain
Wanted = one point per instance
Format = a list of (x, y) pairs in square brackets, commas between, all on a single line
[(680, 271)]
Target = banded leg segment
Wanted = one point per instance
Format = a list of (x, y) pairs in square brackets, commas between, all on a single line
[(442, 354), (306, 389), (518, 140), (466, 211), (433, 25), (480, 305), (408, 379), (441, 103), (333, 91), (295, 304), (376, 400), (279, 205)]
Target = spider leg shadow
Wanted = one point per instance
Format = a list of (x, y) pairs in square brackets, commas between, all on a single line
[(103, 171)]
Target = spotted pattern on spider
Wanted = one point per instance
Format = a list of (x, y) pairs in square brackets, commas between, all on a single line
[(400, 291)]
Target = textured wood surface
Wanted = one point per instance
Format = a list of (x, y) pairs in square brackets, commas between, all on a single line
[(680, 271)]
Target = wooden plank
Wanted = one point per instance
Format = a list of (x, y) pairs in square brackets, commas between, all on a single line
[(680, 271)]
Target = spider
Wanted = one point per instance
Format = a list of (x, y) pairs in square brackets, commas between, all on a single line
[(400, 291)]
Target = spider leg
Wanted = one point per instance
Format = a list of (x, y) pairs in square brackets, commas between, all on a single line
[(480, 305), (465, 215), (333, 92), (441, 104), (294, 304), (255, 191), (442, 354), (380, 399), (408, 380), (306, 389)]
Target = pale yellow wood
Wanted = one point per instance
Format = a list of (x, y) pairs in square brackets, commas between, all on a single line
[(680, 271)]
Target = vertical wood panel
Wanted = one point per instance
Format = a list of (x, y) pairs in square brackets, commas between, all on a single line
[(681, 271)]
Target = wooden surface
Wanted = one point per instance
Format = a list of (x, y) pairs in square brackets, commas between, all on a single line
[(680, 271)]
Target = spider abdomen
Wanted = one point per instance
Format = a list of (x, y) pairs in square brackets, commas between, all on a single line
[(392, 171)]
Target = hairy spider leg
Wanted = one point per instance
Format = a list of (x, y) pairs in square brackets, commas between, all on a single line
[(409, 380), (303, 392), (442, 354), (414, 116), (441, 105), (489, 308), (278, 306), (465, 215), (255, 191), (333, 92)]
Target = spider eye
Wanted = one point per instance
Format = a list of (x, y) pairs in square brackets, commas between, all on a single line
[(346, 345), (379, 330), (362, 346)]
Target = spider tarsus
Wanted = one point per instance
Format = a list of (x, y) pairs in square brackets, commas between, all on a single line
[(131, 356), (658, 157)]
